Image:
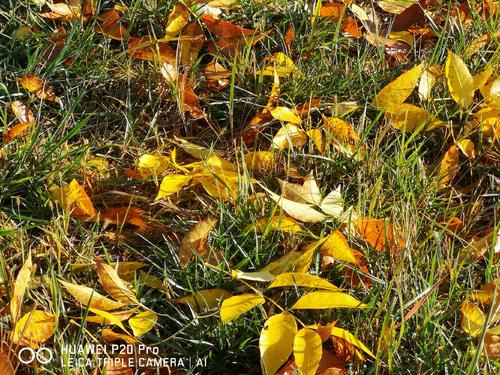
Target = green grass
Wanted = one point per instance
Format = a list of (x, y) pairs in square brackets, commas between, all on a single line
[(117, 108)]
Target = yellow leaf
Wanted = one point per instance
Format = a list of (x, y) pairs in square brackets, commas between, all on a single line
[(281, 65), (6, 367), (427, 80), (337, 247), (196, 151), (22, 281), (193, 242), (191, 46), (172, 184), (448, 166), (285, 114), (112, 284), (104, 319), (73, 199), (480, 79), (108, 318), (402, 36), (408, 117), (341, 130), (109, 336), (396, 6), (263, 276), (473, 318), (351, 339), (333, 204), (299, 211), (296, 279), (221, 187), (261, 161), (34, 328), (142, 322), (152, 165), (460, 82), (233, 307), (290, 135), (204, 300), (398, 90), (317, 137), (307, 351), (39, 87), (276, 341), (89, 297), (278, 223), (467, 147), (324, 299), (177, 19)]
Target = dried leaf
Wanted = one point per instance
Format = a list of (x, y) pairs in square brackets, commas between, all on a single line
[(191, 46), (6, 367), (74, 200), (22, 281), (289, 136), (111, 282), (34, 328), (177, 19), (262, 161), (22, 112), (277, 223), (152, 165), (172, 184), (276, 341), (109, 336), (408, 117), (379, 233), (351, 339), (448, 166), (151, 50), (89, 297), (39, 88), (341, 130), (193, 243), (337, 247), (467, 147), (235, 306), (142, 322)]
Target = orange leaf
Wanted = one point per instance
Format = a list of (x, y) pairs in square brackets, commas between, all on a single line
[(125, 215), (16, 131), (38, 87), (332, 10), (112, 27), (151, 50), (224, 29), (378, 233), (350, 26)]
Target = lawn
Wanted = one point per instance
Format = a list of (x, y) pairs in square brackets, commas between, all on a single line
[(254, 186)]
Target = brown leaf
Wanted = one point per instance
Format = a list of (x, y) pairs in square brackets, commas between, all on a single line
[(350, 26), (111, 282), (39, 88), (112, 27), (16, 131), (190, 48), (6, 367), (410, 16), (124, 215), (194, 241), (151, 50), (223, 29)]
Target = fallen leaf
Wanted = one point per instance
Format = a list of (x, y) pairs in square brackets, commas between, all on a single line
[(379, 233), (112, 27), (6, 367), (325, 299), (281, 65), (235, 306), (467, 147), (408, 117), (278, 223), (491, 344), (177, 19), (193, 243), (151, 50), (396, 6), (34, 328), (262, 161), (289, 136), (351, 339), (337, 247), (204, 300), (473, 318), (22, 112), (152, 165), (276, 341), (341, 130), (191, 43), (172, 184), (39, 88), (307, 351), (448, 166), (108, 318), (124, 215), (89, 297), (112, 284), (109, 336), (74, 200), (297, 279), (22, 281), (285, 114), (142, 322)]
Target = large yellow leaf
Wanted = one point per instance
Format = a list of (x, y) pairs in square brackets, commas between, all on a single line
[(398, 90), (34, 328), (307, 350), (204, 300), (286, 115), (235, 306), (337, 247), (473, 318), (193, 243), (89, 297), (112, 283), (142, 322), (22, 281), (324, 299), (6, 367), (351, 339), (276, 341), (460, 82), (171, 184), (152, 165), (301, 279)]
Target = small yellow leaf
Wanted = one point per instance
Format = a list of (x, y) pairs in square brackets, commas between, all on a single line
[(22, 281), (172, 184), (480, 79), (473, 319), (324, 299), (142, 322), (398, 90), (193, 242), (276, 341), (427, 81), (285, 114), (351, 339), (307, 351), (89, 297), (337, 247), (402, 36), (460, 82), (448, 166), (152, 165), (340, 130), (317, 137), (298, 279), (290, 135), (278, 223), (262, 161), (467, 147), (108, 318), (177, 19), (73, 199), (204, 300), (281, 65), (112, 284), (235, 306), (34, 328)]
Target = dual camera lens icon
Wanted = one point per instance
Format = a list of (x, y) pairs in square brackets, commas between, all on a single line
[(41, 355)]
